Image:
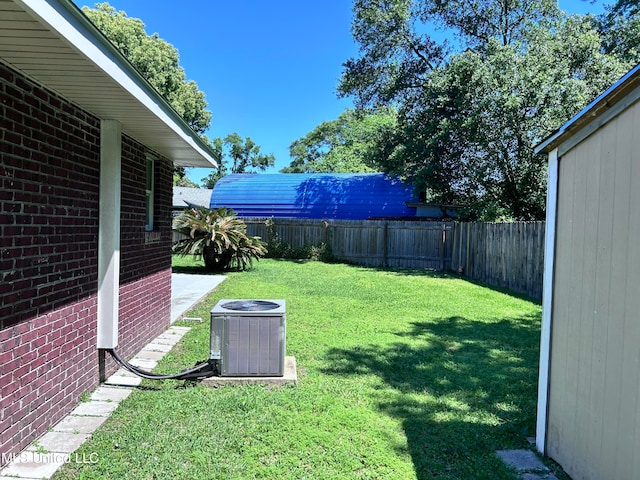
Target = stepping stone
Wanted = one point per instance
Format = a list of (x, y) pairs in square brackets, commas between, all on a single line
[(143, 364), (158, 347), (76, 423), (34, 465), (95, 409), (149, 355), (539, 476), (60, 442), (110, 394), (522, 460)]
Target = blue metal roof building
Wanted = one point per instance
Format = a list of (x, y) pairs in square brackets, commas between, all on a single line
[(352, 196)]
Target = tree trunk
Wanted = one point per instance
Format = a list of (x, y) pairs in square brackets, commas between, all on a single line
[(215, 262)]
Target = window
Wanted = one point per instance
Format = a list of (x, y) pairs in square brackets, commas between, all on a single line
[(149, 189)]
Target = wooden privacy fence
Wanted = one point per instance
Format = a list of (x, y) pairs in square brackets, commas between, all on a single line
[(372, 243), (509, 255)]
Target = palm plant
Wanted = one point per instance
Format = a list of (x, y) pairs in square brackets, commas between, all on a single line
[(219, 236)]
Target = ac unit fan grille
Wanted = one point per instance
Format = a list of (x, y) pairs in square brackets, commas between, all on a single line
[(250, 305)]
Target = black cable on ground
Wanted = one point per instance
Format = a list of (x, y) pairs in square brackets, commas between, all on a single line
[(202, 370)]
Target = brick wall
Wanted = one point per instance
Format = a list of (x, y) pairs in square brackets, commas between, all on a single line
[(49, 172), (49, 178), (49, 187), (145, 260), (45, 364)]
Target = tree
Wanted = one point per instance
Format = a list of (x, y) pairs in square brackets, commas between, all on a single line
[(183, 181), (341, 145), (469, 119), (626, 8), (219, 236), (245, 156), (156, 59), (620, 29), (480, 22), (216, 174)]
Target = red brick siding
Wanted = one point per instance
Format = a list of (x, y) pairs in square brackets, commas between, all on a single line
[(49, 187), (49, 178), (45, 364), (145, 260)]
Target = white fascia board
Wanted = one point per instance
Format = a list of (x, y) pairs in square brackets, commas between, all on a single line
[(63, 17), (547, 302)]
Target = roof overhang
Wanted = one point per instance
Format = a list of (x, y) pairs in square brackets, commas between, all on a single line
[(610, 103), (55, 44)]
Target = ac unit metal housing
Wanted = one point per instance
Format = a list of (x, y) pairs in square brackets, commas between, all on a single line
[(248, 337)]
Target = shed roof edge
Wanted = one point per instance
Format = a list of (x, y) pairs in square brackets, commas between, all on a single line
[(594, 109)]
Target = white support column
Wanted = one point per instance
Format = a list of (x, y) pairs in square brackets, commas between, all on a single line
[(547, 302), (109, 233)]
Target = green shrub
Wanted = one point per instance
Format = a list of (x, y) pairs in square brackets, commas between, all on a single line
[(219, 236), (278, 249)]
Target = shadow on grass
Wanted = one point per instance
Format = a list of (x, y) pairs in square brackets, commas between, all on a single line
[(201, 270), (461, 388), (453, 275), (193, 270), (448, 274)]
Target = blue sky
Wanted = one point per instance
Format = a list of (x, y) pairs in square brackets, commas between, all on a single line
[(269, 68)]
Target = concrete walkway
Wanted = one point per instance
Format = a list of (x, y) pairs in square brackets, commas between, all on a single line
[(55, 448), (187, 290)]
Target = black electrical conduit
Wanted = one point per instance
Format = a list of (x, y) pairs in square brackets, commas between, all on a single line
[(202, 370)]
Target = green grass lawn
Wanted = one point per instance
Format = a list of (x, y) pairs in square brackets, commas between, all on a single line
[(402, 375), (188, 264)]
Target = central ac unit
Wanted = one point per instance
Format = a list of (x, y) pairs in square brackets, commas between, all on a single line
[(248, 337)]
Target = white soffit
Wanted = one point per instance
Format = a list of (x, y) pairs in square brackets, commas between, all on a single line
[(52, 42)]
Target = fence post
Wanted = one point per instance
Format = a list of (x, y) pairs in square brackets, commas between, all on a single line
[(325, 232), (442, 246), (270, 229), (454, 244), (385, 230)]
